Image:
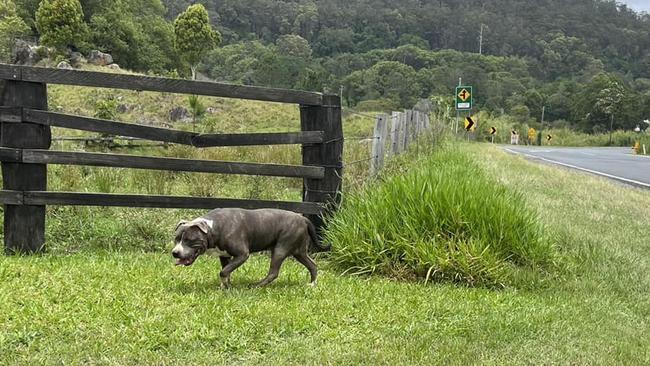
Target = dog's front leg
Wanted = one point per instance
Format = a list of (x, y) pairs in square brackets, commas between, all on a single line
[(232, 265), (224, 262)]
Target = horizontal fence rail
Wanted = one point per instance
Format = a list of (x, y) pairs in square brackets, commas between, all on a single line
[(26, 137), (32, 156), (157, 84), (148, 201), (17, 115)]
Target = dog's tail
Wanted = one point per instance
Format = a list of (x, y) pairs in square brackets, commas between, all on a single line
[(314, 237)]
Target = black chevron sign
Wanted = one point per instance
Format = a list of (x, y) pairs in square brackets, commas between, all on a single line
[(493, 130), (469, 123)]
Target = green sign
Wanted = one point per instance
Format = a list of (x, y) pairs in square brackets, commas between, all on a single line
[(464, 98)]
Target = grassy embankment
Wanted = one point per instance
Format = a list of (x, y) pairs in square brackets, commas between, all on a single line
[(131, 307)]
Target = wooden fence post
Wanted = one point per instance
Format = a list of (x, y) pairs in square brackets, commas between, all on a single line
[(405, 130), (394, 133), (414, 125), (378, 143), (329, 154), (24, 225)]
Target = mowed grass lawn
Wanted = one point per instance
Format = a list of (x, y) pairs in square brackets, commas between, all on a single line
[(137, 308)]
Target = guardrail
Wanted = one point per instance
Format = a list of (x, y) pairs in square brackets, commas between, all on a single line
[(25, 139)]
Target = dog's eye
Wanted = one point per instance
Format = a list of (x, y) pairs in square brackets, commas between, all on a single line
[(196, 243)]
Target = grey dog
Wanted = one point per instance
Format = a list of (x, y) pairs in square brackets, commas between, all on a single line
[(236, 233)]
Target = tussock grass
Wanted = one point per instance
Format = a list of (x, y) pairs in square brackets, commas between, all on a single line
[(445, 219)]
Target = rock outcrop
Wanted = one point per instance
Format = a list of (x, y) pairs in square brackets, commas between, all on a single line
[(64, 65), (28, 54), (100, 58)]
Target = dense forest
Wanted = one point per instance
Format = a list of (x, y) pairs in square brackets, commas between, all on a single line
[(583, 60)]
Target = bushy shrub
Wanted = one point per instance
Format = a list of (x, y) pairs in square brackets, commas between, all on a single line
[(445, 219)]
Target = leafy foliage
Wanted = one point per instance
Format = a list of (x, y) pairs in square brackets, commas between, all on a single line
[(11, 28), (61, 24), (547, 55), (194, 35)]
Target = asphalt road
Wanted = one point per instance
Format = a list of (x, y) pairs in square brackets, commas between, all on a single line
[(612, 162)]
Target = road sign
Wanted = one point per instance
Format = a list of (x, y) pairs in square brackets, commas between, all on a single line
[(532, 133), (469, 124), (514, 137), (493, 130), (549, 137), (464, 98)]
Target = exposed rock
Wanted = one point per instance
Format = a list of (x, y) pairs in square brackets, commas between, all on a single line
[(100, 58), (76, 59), (178, 113), (28, 54), (21, 52), (211, 110), (122, 108), (64, 65), (114, 66)]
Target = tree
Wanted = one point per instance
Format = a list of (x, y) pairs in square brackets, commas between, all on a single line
[(11, 28), (197, 109), (60, 23), (194, 35), (293, 45)]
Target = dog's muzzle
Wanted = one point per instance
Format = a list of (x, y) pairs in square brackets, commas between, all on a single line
[(185, 261), (185, 255)]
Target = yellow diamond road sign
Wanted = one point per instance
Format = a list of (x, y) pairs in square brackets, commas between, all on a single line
[(464, 95), (464, 98)]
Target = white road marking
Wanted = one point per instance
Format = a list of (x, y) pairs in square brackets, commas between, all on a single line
[(615, 177)]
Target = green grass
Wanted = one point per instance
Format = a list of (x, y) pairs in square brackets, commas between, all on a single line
[(129, 305), (441, 218), (107, 293)]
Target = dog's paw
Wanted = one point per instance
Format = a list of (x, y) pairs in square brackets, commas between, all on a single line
[(225, 284)]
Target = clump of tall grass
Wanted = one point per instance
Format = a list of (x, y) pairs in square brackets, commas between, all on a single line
[(445, 219)]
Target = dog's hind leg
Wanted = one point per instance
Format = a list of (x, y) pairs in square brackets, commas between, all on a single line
[(277, 257), (302, 257)]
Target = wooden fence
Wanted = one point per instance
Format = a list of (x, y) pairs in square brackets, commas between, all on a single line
[(405, 128), (25, 139)]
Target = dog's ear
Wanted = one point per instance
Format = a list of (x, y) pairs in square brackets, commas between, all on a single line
[(182, 222), (203, 225)]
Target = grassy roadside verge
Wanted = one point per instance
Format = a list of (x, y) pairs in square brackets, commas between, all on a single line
[(135, 308)]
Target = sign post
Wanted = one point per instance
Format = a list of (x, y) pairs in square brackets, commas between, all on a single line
[(464, 101)]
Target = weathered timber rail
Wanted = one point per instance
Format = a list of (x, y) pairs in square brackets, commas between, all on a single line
[(25, 139)]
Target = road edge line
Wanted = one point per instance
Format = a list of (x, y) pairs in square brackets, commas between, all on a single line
[(610, 176)]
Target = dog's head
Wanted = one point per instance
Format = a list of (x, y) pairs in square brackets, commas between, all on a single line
[(191, 240)]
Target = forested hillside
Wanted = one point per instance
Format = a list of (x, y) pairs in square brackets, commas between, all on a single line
[(584, 60)]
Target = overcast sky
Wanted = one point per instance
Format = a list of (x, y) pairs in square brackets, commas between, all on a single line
[(639, 5)]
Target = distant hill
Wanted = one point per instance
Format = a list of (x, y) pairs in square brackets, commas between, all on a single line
[(585, 63), (610, 32)]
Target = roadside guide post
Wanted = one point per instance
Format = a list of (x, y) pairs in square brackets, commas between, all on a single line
[(493, 131), (514, 138)]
